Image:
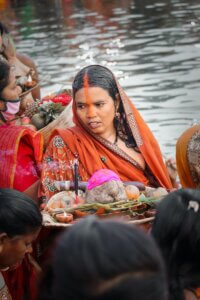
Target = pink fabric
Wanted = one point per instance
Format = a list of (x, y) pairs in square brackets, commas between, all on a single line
[(101, 176)]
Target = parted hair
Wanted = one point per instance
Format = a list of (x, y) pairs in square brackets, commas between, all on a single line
[(98, 76)]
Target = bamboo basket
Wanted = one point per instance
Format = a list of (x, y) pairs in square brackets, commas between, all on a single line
[(64, 120)]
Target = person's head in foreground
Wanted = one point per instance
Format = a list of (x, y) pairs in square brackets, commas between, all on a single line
[(20, 223), (98, 259), (176, 229)]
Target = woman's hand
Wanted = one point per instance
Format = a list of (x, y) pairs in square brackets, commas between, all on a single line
[(172, 170), (25, 102)]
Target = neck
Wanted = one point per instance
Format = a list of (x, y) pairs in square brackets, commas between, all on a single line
[(111, 137)]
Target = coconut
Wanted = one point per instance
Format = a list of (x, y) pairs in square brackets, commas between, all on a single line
[(38, 121)]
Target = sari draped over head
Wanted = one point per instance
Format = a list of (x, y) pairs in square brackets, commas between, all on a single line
[(21, 151), (188, 157), (93, 152)]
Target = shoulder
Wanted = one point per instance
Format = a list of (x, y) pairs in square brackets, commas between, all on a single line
[(190, 295), (27, 60)]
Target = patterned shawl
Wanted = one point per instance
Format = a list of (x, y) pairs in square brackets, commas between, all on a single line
[(188, 157)]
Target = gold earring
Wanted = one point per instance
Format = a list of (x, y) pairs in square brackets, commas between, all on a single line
[(117, 115)]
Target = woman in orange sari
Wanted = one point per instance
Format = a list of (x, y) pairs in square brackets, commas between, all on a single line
[(108, 133), (20, 153), (188, 157)]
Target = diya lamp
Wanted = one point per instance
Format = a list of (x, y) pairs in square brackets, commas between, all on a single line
[(64, 217)]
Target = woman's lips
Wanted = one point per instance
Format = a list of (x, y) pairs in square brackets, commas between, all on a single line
[(94, 125)]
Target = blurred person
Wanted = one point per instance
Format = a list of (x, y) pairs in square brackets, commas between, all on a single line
[(22, 63), (188, 157), (98, 259), (20, 223), (176, 230), (21, 148)]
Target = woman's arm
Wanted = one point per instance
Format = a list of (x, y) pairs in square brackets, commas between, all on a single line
[(26, 60)]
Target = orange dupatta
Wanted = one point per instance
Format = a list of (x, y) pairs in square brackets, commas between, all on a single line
[(95, 153), (10, 136), (187, 157)]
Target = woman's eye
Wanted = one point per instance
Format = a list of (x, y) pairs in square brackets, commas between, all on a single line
[(80, 106), (100, 104)]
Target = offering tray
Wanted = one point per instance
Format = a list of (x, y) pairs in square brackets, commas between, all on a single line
[(137, 212), (48, 221)]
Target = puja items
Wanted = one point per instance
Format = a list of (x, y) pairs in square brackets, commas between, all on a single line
[(105, 186), (64, 200), (128, 210), (104, 195), (26, 82), (67, 185), (64, 217), (43, 112)]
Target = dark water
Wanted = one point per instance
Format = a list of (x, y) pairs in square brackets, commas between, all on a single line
[(152, 46)]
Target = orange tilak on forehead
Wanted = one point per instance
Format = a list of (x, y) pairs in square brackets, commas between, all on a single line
[(86, 92), (86, 89)]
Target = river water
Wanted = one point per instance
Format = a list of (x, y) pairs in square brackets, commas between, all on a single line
[(152, 46)]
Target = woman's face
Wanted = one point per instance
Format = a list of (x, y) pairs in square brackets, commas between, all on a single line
[(96, 109), (14, 249), (11, 91)]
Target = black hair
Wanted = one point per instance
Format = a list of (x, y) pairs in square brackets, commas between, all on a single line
[(107, 260), (98, 76), (176, 229), (19, 214), (3, 29), (4, 75)]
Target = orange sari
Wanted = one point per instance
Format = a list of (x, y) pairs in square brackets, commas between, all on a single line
[(92, 152), (188, 157)]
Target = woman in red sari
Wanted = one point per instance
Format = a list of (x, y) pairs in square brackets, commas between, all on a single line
[(109, 133), (20, 154), (20, 147)]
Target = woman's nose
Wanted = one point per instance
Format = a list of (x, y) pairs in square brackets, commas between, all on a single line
[(91, 112), (29, 249)]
